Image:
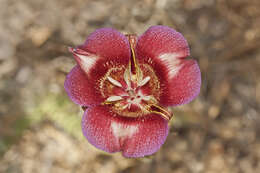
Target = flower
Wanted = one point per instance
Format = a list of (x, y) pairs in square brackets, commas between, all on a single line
[(127, 82)]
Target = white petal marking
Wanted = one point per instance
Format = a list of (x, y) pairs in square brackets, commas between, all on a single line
[(120, 130), (172, 61), (144, 81), (115, 82), (114, 98)]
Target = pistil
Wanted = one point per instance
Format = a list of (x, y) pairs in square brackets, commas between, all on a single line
[(153, 108)]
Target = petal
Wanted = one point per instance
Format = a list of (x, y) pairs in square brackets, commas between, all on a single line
[(152, 133), (107, 43), (80, 89), (135, 137), (165, 50), (103, 49), (183, 86), (159, 40)]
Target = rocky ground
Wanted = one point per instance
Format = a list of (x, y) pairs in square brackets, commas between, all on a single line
[(40, 127)]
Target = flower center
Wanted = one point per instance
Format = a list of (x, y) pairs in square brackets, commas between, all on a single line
[(132, 90)]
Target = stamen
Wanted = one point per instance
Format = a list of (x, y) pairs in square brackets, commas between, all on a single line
[(115, 82), (146, 98), (114, 98), (134, 67), (125, 106), (144, 81), (132, 43), (127, 78)]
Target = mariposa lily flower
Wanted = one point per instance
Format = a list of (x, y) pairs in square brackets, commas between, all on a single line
[(127, 82)]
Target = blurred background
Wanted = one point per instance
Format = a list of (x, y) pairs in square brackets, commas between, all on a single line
[(219, 132)]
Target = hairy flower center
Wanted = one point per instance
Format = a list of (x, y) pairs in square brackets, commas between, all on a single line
[(128, 94), (132, 90)]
